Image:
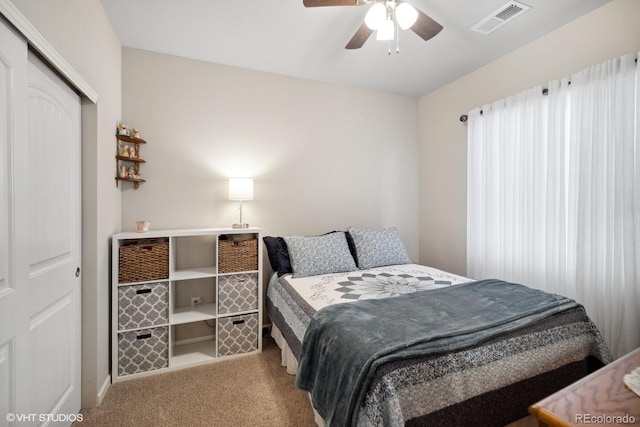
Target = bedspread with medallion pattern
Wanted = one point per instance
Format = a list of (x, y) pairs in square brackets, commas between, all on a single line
[(489, 383)]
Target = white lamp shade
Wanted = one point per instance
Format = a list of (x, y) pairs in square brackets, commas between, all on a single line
[(376, 16), (406, 15), (240, 188), (386, 31)]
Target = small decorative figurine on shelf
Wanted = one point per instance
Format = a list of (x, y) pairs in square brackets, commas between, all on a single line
[(132, 152), (131, 173), (125, 151), (136, 133), (123, 172), (123, 129)]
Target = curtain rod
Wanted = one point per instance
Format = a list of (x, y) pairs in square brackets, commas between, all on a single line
[(545, 91), (464, 117)]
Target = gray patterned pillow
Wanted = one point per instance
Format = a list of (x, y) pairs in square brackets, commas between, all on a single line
[(313, 255), (378, 247)]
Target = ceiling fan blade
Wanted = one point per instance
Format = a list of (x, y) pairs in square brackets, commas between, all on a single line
[(359, 37), (425, 27), (319, 3)]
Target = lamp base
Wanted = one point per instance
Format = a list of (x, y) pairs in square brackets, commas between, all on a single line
[(243, 225)]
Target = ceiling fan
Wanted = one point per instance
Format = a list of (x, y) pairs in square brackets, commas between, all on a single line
[(384, 17)]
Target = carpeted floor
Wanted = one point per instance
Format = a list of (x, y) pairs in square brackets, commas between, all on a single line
[(253, 390)]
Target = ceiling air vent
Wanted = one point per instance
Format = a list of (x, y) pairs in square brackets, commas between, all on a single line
[(500, 17)]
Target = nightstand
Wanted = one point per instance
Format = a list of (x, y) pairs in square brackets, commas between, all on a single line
[(600, 398)]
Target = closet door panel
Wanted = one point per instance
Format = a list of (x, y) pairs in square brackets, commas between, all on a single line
[(53, 235), (40, 235), (14, 394)]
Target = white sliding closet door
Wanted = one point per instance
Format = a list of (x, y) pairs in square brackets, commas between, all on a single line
[(40, 235)]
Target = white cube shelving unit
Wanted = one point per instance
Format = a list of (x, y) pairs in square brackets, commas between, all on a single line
[(155, 328)]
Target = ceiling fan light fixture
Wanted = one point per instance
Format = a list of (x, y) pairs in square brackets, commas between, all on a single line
[(406, 15), (376, 16), (386, 30)]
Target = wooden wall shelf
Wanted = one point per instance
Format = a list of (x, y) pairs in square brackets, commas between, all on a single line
[(129, 159), (132, 164), (135, 181)]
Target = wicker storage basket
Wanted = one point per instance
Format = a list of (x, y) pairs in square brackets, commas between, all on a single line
[(237, 254), (144, 260)]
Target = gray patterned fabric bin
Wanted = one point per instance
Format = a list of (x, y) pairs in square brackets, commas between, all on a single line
[(140, 306), (237, 293), (143, 350), (237, 334)]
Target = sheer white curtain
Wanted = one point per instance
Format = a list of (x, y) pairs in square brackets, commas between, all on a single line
[(505, 188), (554, 194)]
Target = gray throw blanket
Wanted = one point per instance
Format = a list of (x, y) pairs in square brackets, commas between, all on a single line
[(346, 343)]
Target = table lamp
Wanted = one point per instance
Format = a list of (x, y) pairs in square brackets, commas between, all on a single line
[(240, 189)]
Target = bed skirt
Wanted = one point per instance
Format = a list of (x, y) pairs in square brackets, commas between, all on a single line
[(289, 361)]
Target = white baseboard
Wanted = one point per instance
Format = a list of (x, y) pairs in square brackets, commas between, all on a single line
[(103, 390)]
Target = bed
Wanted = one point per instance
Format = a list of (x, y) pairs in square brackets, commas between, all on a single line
[(377, 340)]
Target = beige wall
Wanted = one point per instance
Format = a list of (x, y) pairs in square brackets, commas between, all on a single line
[(324, 157), (80, 31), (605, 33)]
